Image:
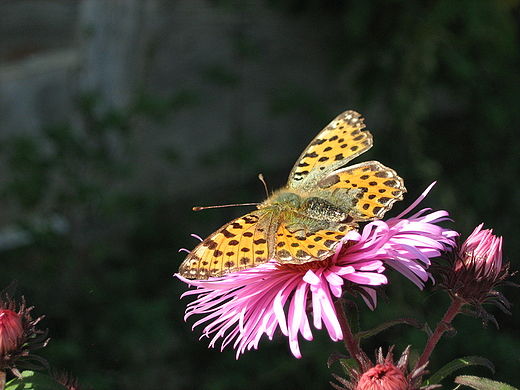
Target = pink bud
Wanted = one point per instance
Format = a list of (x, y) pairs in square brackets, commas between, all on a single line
[(482, 251), (11, 330), (383, 377)]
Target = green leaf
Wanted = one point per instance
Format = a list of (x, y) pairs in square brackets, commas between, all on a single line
[(456, 365), (482, 383), (32, 380), (388, 324)]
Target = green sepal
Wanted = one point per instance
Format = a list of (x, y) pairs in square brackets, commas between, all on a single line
[(349, 364)]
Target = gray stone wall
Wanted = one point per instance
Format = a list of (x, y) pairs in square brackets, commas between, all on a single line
[(221, 76)]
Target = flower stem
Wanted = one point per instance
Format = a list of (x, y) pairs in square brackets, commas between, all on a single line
[(2, 379), (442, 327), (350, 342)]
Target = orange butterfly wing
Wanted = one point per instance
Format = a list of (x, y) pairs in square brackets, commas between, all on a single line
[(299, 247), (340, 141), (238, 245), (373, 187)]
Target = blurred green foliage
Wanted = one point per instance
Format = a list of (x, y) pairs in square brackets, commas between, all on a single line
[(446, 75)]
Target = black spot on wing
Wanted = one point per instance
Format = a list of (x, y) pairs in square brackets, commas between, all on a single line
[(227, 233)]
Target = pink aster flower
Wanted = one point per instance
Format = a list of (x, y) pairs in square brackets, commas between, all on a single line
[(240, 307)]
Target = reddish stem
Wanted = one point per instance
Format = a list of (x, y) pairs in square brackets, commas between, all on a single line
[(2, 379), (350, 342), (442, 327)]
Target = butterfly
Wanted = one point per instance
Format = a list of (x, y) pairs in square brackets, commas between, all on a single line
[(305, 220)]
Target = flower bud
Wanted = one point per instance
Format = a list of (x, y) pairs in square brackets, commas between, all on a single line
[(383, 377), (385, 374), (11, 330), (18, 337), (478, 266), (482, 252), (474, 272)]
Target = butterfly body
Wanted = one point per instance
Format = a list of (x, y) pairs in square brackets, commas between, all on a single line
[(305, 220), (294, 219)]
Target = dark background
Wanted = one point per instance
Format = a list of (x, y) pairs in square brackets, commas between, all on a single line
[(117, 117)]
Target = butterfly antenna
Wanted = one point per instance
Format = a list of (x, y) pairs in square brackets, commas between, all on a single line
[(198, 208), (261, 177)]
